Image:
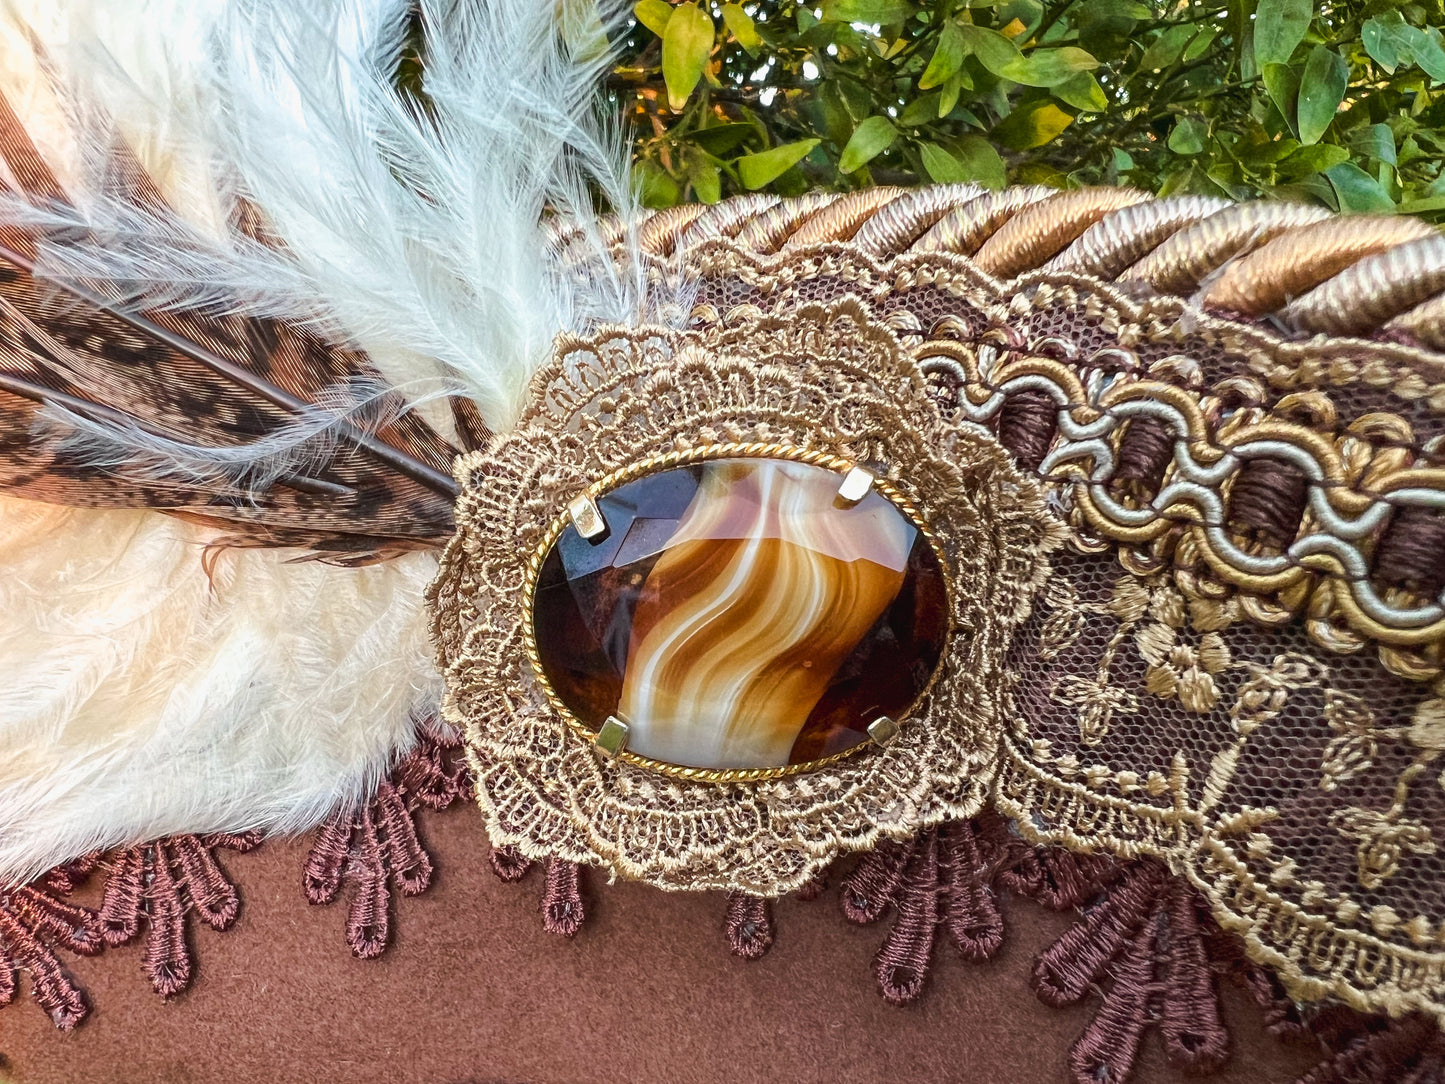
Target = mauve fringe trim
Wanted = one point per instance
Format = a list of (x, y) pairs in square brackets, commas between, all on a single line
[(1140, 943), (748, 925), (378, 846), (153, 888), (562, 909)]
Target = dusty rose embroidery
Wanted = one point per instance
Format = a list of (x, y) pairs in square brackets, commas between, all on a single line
[(748, 925), (155, 886), (378, 848), (1143, 943), (949, 877), (563, 907), (34, 922), (1377, 1050)]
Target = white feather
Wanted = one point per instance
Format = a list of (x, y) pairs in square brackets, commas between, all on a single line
[(140, 699), (421, 224), (412, 228)]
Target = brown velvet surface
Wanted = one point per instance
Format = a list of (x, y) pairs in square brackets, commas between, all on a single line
[(474, 990)]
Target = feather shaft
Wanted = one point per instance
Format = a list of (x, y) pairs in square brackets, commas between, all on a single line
[(398, 460)]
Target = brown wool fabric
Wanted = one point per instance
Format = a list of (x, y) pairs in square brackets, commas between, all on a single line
[(474, 991)]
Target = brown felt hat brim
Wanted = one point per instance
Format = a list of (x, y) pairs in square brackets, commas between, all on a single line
[(474, 990)]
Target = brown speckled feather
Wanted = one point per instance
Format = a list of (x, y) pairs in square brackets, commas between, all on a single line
[(209, 380)]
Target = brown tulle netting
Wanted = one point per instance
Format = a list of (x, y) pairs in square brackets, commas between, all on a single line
[(1235, 666)]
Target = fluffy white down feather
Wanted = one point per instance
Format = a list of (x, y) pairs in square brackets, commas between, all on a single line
[(141, 700), (138, 698)]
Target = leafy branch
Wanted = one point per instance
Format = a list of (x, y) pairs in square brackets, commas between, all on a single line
[(1336, 103)]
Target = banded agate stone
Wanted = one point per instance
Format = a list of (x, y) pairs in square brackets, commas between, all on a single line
[(738, 614)]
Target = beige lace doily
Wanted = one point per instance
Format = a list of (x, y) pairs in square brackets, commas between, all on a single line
[(827, 378)]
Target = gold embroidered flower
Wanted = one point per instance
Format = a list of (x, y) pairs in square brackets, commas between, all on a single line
[(1427, 731), (1356, 740), (1097, 701), (1383, 839), (1262, 698), (1179, 639), (1427, 728)]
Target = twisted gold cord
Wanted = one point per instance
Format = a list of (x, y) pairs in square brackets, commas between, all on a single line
[(1313, 271)]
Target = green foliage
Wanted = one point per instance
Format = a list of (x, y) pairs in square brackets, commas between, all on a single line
[(1334, 103)]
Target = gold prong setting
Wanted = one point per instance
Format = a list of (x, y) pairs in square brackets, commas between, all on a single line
[(883, 731), (611, 737), (856, 485), (586, 517)]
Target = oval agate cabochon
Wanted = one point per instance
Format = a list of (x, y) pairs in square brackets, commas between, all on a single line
[(738, 614)]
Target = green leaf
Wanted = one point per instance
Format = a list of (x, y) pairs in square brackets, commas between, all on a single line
[(836, 123), (1027, 13), (947, 56), (722, 138), (942, 167), (1375, 141), (1420, 206), (1200, 44), (980, 161), (1083, 92), (757, 170), (1357, 190), (1389, 40), (994, 51), (870, 139), (1315, 158), (1105, 25), (949, 98), (1280, 25), (1429, 55), (1188, 136), (1168, 47), (1321, 91), (1049, 67), (685, 49), (654, 186), (882, 12), (1031, 125), (1282, 82), (741, 24), (654, 15), (922, 110), (1118, 9), (706, 181)]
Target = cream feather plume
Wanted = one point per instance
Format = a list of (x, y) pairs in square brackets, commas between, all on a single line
[(413, 227), (143, 699)]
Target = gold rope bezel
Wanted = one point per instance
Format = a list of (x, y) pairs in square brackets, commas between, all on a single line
[(699, 454)]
